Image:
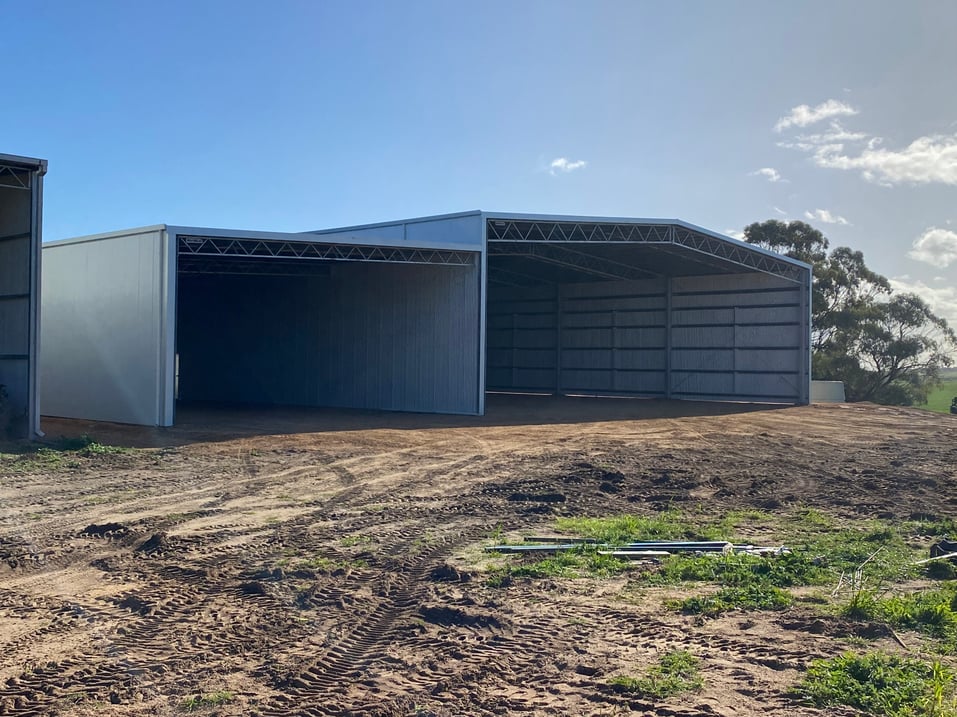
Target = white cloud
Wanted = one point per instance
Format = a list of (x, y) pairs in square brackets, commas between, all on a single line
[(935, 246), (942, 300), (561, 164), (823, 215), (780, 211), (804, 115), (769, 173), (834, 133), (735, 234), (926, 160)]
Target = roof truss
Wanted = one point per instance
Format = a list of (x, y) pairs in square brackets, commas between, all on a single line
[(15, 177), (529, 231), (319, 251)]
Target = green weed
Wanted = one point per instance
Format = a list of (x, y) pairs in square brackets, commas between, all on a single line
[(737, 570), (931, 612), (880, 684), (213, 699), (751, 597), (676, 672), (583, 561), (56, 454), (621, 529)]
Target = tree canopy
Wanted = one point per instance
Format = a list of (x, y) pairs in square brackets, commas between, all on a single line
[(886, 347)]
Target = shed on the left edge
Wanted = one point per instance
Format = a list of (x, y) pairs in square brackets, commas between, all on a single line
[(21, 209)]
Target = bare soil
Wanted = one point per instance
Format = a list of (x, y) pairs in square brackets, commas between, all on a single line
[(329, 562)]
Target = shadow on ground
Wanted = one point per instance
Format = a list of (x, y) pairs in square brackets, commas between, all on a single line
[(203, 423)]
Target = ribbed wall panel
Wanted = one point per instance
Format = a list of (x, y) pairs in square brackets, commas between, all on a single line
[(731, 337), (611, 336), (789, 296), (697, 359), (248, 338), (737, 337), (621, 303), (412, 331), (14, 256), (380, 336), (783, 359), (696, 383), (15, 326)]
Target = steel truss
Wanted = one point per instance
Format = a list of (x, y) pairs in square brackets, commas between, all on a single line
[(544, 231), (15, 177), (270, 249), (571, 259)]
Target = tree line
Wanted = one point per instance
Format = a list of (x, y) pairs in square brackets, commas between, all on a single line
[(886, 346)]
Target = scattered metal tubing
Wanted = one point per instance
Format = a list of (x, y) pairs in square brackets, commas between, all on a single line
[(947, 556), (549, 548), (660, 547)]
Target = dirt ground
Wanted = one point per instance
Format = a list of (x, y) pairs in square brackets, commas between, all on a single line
[(329, 562)]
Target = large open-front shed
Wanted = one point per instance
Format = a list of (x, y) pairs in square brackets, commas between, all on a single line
[(419, 315), (21, 208)]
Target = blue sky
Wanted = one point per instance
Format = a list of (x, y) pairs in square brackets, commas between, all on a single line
[(297, 115)]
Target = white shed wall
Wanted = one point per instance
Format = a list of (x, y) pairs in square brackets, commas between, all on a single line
[(105, 330)]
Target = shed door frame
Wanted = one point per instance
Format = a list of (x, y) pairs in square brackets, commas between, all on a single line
[(197, 252)]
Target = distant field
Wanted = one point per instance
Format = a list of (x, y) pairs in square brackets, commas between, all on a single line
[(940, 399)]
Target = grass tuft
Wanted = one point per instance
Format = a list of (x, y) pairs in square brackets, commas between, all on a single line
[(581, 562), (213, 699), (675, 673), (620, 529), (931, 612), (880, 684), (752, 597)]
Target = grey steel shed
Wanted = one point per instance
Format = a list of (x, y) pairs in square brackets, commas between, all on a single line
[(21, 209), (421, 315)]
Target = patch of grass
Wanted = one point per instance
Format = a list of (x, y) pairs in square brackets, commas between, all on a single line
[(934, 527), (322, 564), (675, 673), (751, 597), (880, 684), (814, 518), (581, 562), (621, 529), (739, 570), (499, 577), (931, 612), (359, 539), (56, 454), (734, 520), (212, 699), (881, 548), (939, 399)]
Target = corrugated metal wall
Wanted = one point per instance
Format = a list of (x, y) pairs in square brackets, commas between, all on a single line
[(739, 337), (728, 338), (382, 336), (17, 309), (248, 338), (103, 329)]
